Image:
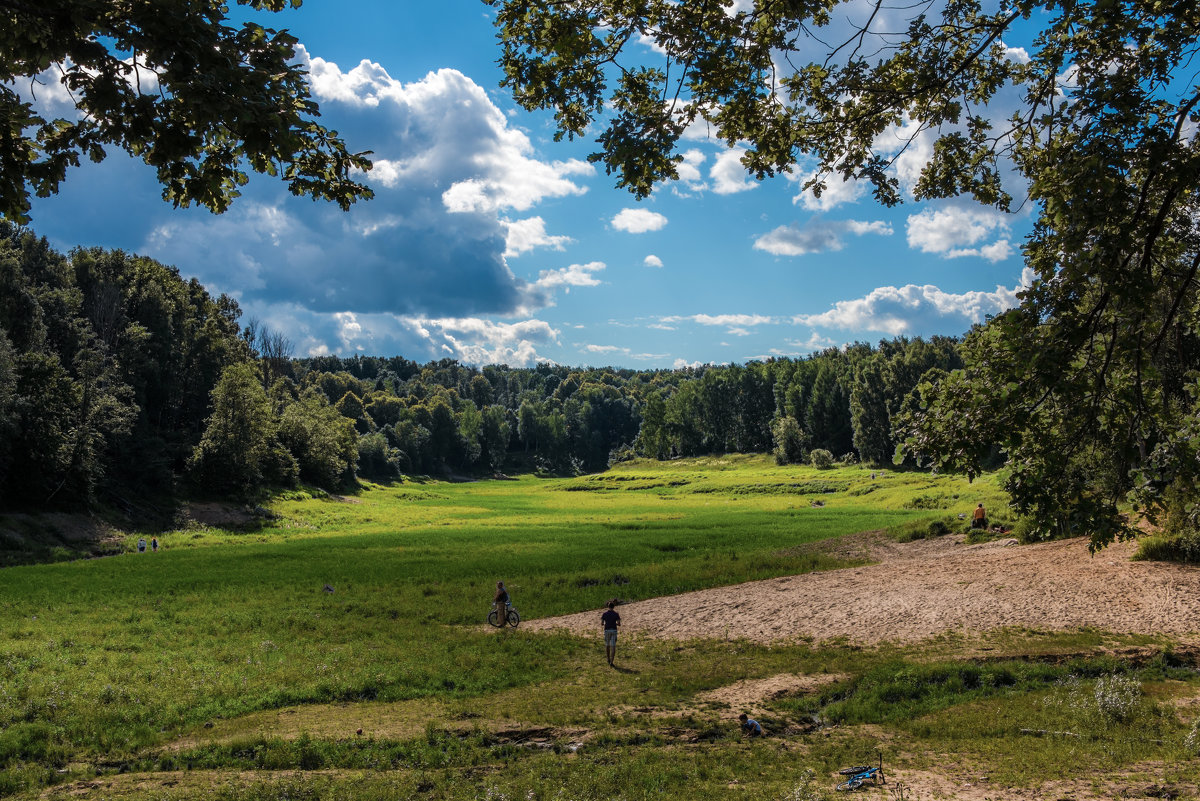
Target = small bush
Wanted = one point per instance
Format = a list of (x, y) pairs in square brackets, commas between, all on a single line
[(1027, 531), (1191, 743), (938, 501), (1181, 547), (622, 453), (790, 441), (821, 459), (1117, 696)]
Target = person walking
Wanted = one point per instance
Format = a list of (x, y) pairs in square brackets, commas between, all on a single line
[(979, 519), (611, 621)]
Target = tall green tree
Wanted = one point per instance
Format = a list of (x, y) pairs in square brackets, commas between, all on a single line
[(322, 441), (239, 453), (1103, 140), (173, 83)]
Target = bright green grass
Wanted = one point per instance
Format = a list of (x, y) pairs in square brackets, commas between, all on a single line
[(104, 661)]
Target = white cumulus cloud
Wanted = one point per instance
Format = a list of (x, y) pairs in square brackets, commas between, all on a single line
[(638, 221), (574, 275), (914, 309), (836, 192), (955, 232), (525, 235), (652, 261), (728, 175), (433, 241), (816, 236)]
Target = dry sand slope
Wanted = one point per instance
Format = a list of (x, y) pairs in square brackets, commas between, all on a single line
[(926, 588)]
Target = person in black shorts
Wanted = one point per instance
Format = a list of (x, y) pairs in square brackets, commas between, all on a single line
[(610, 620)]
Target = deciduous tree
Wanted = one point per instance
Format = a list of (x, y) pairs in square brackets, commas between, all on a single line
[(1099, 129), (171, 82)]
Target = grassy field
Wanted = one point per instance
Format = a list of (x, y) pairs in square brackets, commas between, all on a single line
[(221, 667)]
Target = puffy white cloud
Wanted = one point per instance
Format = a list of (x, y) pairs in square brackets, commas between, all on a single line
[(914, 309), (691, 179), (432, 243), (816, 236), (950, 231), (638, 221), (469, 339), (1018, 54), (650, 43), (455, 122), (728, 175), (689, 168), (652, 261), (574, 275), (836, 192), (525, 235), (477, 341)]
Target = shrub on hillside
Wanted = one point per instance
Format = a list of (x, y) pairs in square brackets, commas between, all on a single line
[(1180, 547), (821, 459), (790, 441)]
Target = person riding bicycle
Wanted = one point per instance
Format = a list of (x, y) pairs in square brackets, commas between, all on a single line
[(501, 602)]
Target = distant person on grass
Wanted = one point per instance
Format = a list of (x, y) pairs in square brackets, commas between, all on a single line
[(979, 519), (611, 621), (501, 602), (750, 726)]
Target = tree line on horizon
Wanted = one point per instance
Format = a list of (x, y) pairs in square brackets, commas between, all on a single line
[(125, 386)]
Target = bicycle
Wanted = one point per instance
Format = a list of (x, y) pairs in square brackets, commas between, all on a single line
[(859, 775), (511, 617)]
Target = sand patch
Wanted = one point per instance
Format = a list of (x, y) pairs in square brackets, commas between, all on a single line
[(750, 693), (926, 588)]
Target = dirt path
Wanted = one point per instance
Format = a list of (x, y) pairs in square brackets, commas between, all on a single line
[(926, 588)]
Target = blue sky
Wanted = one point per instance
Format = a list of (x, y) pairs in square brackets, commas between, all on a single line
[(489, 242)]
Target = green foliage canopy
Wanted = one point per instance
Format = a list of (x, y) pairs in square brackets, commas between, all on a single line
[(1085, 386), (172, 84)]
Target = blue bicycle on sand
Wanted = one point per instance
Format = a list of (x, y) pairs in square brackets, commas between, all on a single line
[(859, 775)]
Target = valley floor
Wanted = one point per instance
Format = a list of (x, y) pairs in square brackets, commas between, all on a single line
[(928, 588)]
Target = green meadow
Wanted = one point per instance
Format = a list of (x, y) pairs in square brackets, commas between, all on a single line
[(221, 667)]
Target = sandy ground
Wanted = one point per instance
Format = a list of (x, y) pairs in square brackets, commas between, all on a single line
[(929, 587)]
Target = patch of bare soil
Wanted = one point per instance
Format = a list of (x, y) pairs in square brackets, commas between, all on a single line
[(30, 537), (750, 693), (219, 515), (923, 785), (926, 588)]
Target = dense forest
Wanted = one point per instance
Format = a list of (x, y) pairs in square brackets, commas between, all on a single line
[(123, 384)]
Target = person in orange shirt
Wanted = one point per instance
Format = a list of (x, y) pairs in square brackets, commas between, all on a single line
[(980, 518)]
